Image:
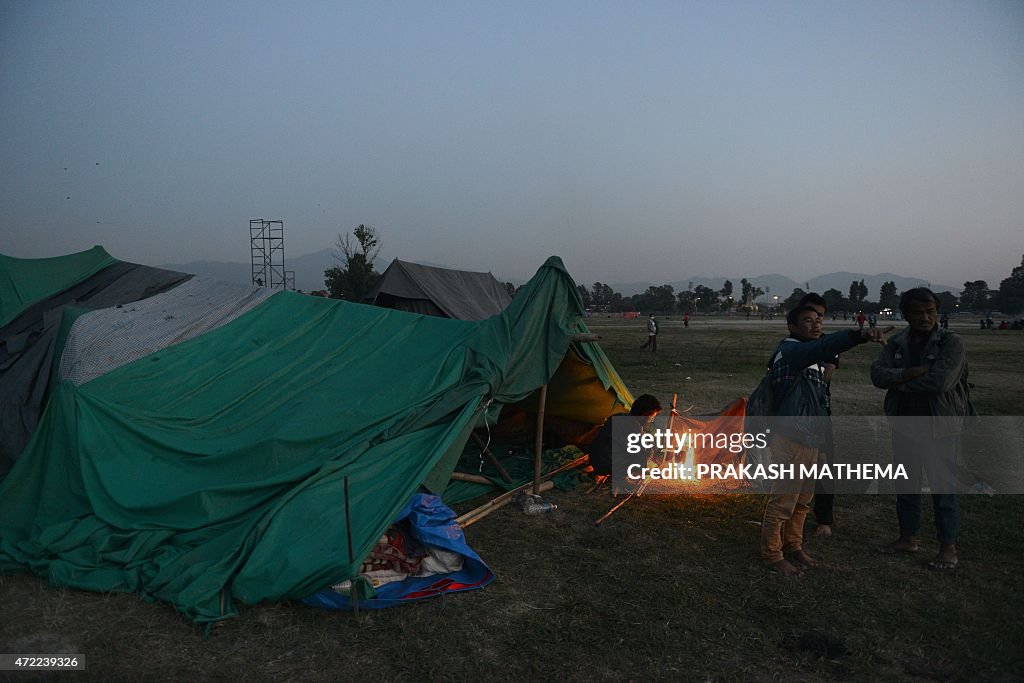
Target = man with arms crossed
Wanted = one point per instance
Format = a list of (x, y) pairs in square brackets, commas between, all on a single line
[(924, 369)]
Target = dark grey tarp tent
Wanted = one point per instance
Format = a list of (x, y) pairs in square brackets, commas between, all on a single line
[(37, 296), (443, 292)]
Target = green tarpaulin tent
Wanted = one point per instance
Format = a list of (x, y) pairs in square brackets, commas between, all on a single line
[(262, 459)]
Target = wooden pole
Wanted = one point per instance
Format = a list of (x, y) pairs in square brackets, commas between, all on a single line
[(351, 555), (502, 472), (541, 402), (586, 337), (475, 478)]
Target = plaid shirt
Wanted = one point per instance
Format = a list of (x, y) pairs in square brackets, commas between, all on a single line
[(787, 368), (797, 376)]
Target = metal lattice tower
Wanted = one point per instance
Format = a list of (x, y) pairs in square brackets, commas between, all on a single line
[(266, 242)]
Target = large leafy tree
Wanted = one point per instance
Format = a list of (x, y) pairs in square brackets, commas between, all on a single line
[(793, 299), (726, 294), (684, 302), (887, 297), (947, 301), (604, 298), (834, 300), (356, 276), (1011, 291), (858, 292), (582, 289), (705, 299), (975, 296), (660, 299)]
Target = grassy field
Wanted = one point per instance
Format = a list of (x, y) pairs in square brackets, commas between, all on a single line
[(667, 588)]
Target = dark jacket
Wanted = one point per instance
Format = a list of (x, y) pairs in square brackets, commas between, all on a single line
[(945, 383), (611, 440), (798, 383)]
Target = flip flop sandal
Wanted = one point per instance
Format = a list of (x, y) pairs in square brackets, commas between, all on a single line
[(943, 565)]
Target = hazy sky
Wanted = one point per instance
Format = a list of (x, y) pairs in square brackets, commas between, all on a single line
[(637, 140)]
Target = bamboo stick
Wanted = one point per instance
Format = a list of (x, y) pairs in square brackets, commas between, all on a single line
[(586, 337), (541, 402), (475, 478), (608, 514), (509, 494), (485, 510), (351, 556)]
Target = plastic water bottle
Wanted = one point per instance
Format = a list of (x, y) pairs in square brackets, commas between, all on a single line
[(982, 487), (524, 499), (539, 507)]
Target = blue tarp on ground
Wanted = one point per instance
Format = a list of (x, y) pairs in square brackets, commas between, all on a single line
[(431, 522)]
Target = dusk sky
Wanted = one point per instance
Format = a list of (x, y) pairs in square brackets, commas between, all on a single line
[(640, 141)]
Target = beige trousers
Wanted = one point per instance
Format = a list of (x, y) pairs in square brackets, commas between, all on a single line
[(782, 529)]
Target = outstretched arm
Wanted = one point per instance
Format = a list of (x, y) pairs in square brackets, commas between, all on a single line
[(825, 349)]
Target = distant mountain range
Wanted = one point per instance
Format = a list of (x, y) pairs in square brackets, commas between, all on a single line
[(309, 269), (309, 275)]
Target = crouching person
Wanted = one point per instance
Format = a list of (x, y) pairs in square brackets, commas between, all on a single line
[(645, 408), (797, 376)]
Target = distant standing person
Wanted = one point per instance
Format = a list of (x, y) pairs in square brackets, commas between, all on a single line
[(944, 321), (652, 334), (686, 319), (860, 320), (924, 369), (872, 320)]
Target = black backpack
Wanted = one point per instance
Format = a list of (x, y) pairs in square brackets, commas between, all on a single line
[(760, 408)]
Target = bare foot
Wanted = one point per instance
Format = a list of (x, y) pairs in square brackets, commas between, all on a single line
[(785, 568), (903, 544), (800, 557), (823, 531)]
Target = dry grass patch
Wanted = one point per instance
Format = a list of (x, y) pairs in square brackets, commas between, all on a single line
[(667, 588)]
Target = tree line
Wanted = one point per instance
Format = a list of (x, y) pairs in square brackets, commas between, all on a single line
[(356, 275)]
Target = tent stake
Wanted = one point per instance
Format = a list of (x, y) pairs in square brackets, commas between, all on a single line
[(542, 401), (351, 555), (348, 526)]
